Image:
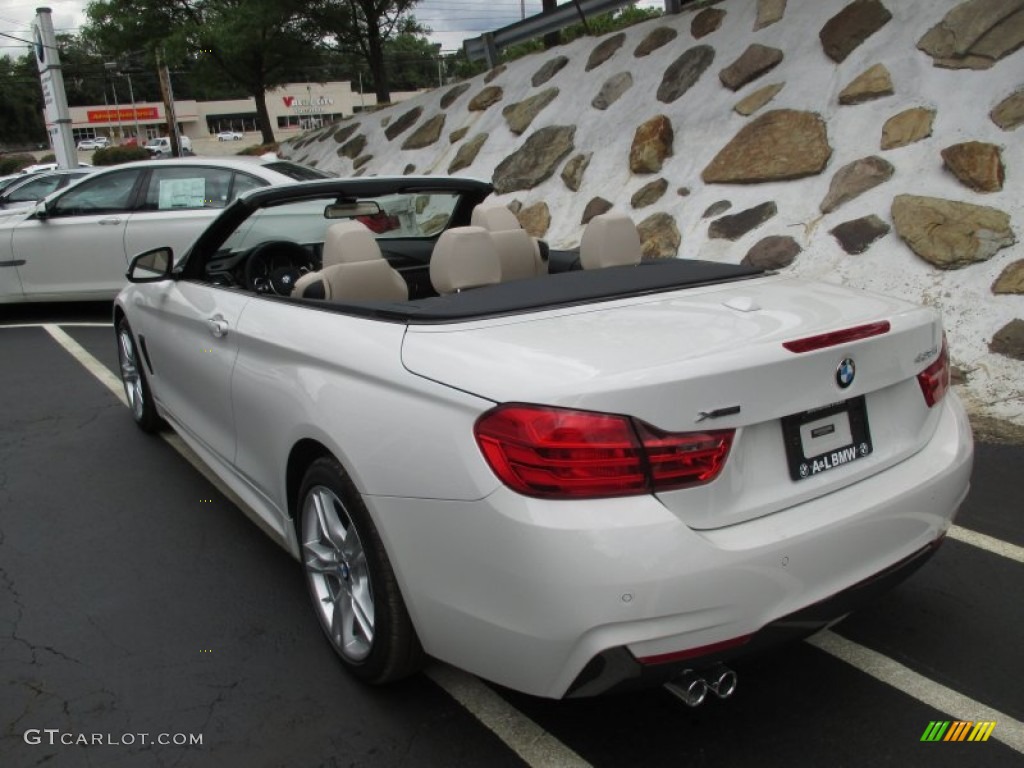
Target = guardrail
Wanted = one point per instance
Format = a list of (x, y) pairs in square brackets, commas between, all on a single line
[(486, 46)]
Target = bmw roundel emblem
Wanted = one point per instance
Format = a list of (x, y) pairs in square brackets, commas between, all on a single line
[(845, 373)]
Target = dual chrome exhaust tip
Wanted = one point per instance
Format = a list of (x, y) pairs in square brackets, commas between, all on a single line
[(692, 687)]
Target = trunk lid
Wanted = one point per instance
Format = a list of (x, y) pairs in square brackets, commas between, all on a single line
[(669, 358)]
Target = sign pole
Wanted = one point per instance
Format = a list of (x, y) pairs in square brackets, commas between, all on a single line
[(55, 101)]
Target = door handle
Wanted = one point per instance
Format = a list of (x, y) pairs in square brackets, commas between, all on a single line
[(110, 220), (218, 326)]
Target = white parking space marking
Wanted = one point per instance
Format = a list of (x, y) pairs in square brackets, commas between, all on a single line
[(532, 743), (988, 543), (957, 706), (528, 740)]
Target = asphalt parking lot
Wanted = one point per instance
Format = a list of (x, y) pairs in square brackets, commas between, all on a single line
[(140, 606)]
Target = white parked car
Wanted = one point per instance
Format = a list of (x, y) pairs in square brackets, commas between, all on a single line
[(34, 187), (75, 244), (161, 146), (98, 142), (229, 136), (565, 481)]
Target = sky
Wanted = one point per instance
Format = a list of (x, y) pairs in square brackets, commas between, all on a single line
[(452, 21)]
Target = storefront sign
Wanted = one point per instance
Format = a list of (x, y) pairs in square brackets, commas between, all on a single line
[(125, 114), (308, 106)]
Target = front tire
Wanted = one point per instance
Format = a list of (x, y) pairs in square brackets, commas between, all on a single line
[(351, 583), (133, 376)]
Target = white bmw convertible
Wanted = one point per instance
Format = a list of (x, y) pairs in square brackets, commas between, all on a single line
[(566, 472)]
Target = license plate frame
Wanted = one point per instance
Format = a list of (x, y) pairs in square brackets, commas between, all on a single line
[(817, 432)]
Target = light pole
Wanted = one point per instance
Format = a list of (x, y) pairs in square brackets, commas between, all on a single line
[(111, 67)]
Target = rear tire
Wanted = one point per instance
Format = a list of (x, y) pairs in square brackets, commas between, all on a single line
[(351, 583), (133, 376)]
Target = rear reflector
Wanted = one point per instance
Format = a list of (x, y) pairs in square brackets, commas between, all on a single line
[(934, 379), (834, 338), (557, 453)]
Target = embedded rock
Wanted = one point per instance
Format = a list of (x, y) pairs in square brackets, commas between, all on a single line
[(652, 143), (716, 208), (769, 12), (344, 132), (572, 173), (458, 134), (706, 22), (1009, 340), (855, 179), (738, 224), (490, 95), (649, 193), (451, 95), (950, 234), (684, 72), (495, 72), (535, 161), (521, 114), (467, 153), (1011, 279), (659, 237), (976, 164), (683, 191), (907, 127), (779, 145), (612, 90), (851, 27), (772, 252), (409, 169), (873, 83), (595, 207), (857, 235), (975, 34), (403, 122), (605, 50), (751, 64), (359, 162), (536, 219), (1009, 113), (426, 134), (434, 224), (656, 38), (757, 99), (353, 147), (549, 70)]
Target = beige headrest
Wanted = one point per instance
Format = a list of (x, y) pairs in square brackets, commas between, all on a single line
[(464, 257), (519, 254), (495, 217), (370, 280), (347, 242), (610, 240)]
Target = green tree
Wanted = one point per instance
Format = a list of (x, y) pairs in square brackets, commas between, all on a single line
[(257, 44), (21, 102), (363, 28)]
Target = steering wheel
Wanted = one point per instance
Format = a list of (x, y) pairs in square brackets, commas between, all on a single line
[(274, 266)]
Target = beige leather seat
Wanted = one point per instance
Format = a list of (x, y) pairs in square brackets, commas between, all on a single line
[(464, 258), (518, 251), (610, 240), (353, 268)]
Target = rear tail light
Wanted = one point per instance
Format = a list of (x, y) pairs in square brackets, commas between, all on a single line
[(934, 379), (557, 453)]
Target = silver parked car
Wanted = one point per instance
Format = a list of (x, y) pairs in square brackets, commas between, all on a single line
[(32, 188), (75, 244)]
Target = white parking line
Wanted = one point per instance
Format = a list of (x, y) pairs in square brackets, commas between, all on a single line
[(1008, 730), (532, 743), (988, 543), (537, 747)]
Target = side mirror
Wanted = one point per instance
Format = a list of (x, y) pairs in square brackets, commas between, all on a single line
[(151, 266)]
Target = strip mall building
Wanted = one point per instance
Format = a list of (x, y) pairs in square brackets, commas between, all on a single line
[(293, 108)]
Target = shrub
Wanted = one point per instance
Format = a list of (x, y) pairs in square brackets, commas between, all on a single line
[(50, 158), (260, 149), (118, 155), (14, 163)]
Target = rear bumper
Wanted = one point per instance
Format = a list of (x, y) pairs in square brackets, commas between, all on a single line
[(563, 598)]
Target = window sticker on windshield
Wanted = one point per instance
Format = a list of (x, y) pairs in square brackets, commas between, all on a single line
[(182, 193)]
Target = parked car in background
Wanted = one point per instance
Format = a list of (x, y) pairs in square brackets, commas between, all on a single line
[(75, 244), (98, 142), (229, 136), (36, 186), (161, 146), (566, 481)]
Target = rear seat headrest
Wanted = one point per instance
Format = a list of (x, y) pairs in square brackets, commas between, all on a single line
[(610, 240), (494, 217), (464, 257)]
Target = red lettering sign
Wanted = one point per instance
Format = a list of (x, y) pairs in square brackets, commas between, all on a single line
[(125, 114)]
